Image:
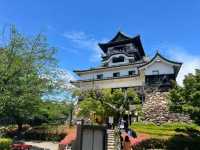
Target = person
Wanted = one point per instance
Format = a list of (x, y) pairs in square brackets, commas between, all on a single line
[(121, 141), (121, 124), (132, 133), (129, 132), (127, 144)]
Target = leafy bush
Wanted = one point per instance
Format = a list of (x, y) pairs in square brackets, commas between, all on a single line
[(151, 144), (168, 136), (175, 142), (44, 136), (5, 143), (44, 132), (185, 99), (183, 142)]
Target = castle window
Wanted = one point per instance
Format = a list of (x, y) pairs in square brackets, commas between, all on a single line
[(118, 59), (132, 72), (131, 60), (120, 48), (155, 72), (100, 76), (116, 74)]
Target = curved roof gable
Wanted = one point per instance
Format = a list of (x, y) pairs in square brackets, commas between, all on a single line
[(158, 55), (121, 38)]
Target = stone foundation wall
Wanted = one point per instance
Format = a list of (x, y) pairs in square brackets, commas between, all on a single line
[(155, 109)]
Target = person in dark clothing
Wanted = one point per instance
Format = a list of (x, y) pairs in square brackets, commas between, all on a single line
[(127, 144), (121, 140), (132, 133)]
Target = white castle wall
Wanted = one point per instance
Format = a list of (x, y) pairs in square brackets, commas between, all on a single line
[(108, 74), (113, 83), (163, 68)]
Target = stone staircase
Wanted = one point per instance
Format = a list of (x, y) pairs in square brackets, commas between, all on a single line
[(156, 110), (110, 139)]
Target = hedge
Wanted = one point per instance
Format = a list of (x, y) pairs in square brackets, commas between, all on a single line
[(173, 143), (5, 143)]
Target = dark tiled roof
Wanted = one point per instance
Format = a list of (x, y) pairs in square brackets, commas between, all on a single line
[(158, 54), (120, 38)]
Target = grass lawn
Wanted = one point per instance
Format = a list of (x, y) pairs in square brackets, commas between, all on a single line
[(168, 136), (166, 130)]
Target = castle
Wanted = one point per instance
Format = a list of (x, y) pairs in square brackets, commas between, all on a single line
[(125, 65)]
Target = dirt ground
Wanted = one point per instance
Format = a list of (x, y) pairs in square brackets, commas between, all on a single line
[(37, 145)]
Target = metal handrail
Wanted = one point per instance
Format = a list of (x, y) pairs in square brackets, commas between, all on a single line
[(117, 139)]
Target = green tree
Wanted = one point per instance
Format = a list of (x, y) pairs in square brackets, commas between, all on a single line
[(106, 102), (23, 62), (186, 99), (52, 111)]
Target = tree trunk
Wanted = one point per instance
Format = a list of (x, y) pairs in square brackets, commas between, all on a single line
[(19, 125)]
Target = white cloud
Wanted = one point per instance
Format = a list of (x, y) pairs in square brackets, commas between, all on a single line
[(60, 78), (190, 61), (85, 41)]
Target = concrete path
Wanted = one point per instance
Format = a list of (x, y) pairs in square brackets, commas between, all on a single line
[(43, 145)]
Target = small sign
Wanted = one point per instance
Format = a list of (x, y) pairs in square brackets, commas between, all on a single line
[(111, 120), (132, 107)]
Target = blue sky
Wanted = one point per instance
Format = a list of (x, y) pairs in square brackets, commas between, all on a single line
[(75, 27)]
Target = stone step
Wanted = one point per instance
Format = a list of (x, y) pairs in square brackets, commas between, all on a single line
[(110, 132), (110, 135), (109, 147), (110, 139), (110, 143)]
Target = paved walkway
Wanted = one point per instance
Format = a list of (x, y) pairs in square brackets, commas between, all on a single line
[(43, 145)]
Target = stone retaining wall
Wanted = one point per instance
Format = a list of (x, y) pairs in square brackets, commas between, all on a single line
[(155, 109)]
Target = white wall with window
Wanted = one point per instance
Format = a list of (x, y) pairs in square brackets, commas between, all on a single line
[(108, 74), (118, 59), (159, 68)]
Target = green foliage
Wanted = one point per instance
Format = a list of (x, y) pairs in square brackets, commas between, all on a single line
[(89, 106), (44, 136), (168, 136), (173, 143), (51, 112), (44, 132), (186, 99), (23, 61), (106, 102), (5, 143), (152, 143)]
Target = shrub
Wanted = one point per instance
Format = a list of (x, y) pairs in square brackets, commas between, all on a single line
[(183, 142), (44, 136), (151, 144), (44, 133), (170, 136), (173, 143), (5, 143)]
